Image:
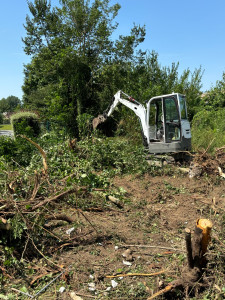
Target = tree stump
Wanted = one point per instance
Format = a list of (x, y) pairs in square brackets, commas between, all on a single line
[(196, 246)]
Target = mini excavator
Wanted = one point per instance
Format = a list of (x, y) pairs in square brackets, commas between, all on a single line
[(164, 124)]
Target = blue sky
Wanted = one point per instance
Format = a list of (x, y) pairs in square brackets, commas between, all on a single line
[(190, 32)]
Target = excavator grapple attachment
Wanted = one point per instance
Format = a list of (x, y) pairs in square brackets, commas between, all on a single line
[(96, 121)]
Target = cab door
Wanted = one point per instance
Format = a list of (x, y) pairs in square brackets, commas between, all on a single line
[(172, 123)]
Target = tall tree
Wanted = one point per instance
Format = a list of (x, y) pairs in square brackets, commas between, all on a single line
[(71, 47), (9, 104)]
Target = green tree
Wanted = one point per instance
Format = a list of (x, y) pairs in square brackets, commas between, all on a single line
[(215, 98), (71, 50), (9, 104)]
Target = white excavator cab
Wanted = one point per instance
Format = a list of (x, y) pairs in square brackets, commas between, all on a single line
[(165, 127), (169, 129)]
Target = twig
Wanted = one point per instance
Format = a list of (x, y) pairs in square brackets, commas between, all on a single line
[(54, 198), (49, 232), (155, 246), (43, 254), (83, 295), (3, 206), (207, 147), (40, 276), (50, 282), (25, 247), (136, 274), (163, 291), (80, 211)]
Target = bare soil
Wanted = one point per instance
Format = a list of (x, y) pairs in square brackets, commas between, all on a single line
[(156, 210)]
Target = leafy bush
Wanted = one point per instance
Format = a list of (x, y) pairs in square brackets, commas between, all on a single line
[(208, 127), (114, 153), (26, 123), (7, 147)]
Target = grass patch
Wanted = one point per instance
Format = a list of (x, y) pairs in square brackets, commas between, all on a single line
[(6, 127)]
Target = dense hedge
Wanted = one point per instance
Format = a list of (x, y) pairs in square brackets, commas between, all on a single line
[(26, 123)]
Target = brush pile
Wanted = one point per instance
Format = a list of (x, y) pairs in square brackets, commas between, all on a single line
[(204, 163)]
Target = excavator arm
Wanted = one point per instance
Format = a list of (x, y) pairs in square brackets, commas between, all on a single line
[(131, 103)]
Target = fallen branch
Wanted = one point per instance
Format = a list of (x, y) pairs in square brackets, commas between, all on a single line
[(62, 195), (161, 292), (38, 277), (61, 217), (55, 198), (36, 187), (43, 154)]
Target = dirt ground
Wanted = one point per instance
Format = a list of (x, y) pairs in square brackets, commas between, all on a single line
[(155, 211)]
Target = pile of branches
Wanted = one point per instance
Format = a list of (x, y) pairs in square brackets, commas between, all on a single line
[(204, 163), (31, 203)]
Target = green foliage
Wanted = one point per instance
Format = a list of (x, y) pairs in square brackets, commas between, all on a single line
[(9, 104), (209, 121), (72, 50), (207, 127), (215, 98), (1, 118), (91, 164), (18, 226), (7, 147), (84, 122), (17, 151), (119, 155), (25, 123)]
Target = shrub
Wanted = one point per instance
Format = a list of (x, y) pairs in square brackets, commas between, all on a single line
[(7, 147), (26, 123), (208, 127)]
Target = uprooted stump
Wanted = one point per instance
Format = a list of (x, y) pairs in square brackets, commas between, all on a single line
[(196, 246)]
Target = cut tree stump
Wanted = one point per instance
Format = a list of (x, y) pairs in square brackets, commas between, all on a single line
[(196, 246)]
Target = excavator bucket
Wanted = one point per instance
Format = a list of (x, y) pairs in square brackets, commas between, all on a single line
[(96, 121)]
